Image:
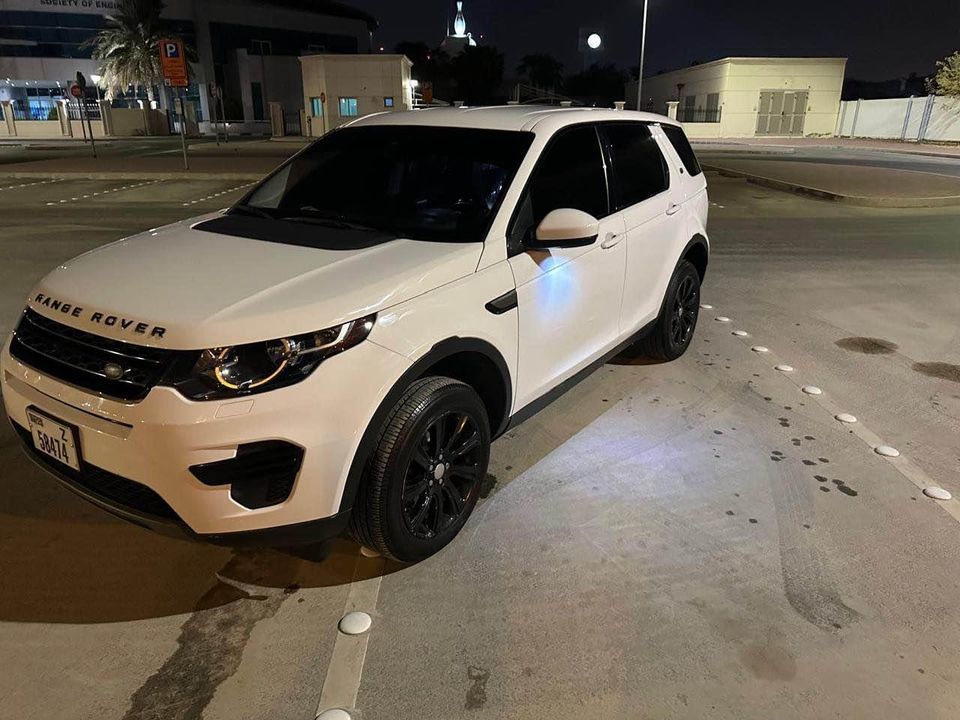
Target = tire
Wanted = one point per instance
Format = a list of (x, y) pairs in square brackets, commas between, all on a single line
[(408, 509), (674, 329)]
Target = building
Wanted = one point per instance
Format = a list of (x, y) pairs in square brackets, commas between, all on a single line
[(247, 47), (340, 88), (745, 97)]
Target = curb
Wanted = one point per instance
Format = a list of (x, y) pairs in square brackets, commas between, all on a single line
[(859, 200), (907, 148), (24, 175)]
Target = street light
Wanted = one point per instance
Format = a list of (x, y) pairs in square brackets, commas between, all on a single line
[(643, 47), (594, 41), (96, 81)]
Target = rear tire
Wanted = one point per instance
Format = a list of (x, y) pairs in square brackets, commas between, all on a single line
[(423, 478), (674, 329)]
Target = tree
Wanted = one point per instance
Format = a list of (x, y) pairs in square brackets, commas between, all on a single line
[(543, 71), (429, 65), (600, 85), (478, 72), (128, 48), (947, 79)]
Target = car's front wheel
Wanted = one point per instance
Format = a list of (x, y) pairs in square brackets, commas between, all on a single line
[(423, 478)]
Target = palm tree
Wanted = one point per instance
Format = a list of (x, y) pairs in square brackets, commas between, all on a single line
[(129, 47)]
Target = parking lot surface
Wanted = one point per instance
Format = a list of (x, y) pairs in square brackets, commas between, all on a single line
[(694, 539)]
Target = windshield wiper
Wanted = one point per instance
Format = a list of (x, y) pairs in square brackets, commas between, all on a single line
[(316, 216), (252, 210)]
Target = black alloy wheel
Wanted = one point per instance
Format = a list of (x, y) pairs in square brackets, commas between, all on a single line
[(683, 318), (423, 477), (443, 474)]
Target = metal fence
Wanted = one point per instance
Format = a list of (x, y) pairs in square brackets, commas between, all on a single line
[(698, 115), (74, 111)]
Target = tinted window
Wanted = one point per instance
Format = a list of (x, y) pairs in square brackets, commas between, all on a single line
[(638, 164), (570, 175), (682, 146), (430, 183)]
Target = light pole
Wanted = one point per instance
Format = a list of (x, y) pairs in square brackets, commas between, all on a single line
[(643, 47)]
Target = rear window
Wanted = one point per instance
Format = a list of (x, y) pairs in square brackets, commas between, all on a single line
[(682, 146), (638, 164)]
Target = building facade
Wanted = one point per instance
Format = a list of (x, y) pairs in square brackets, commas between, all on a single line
[(247, 47), (747, 97), (340, 88)]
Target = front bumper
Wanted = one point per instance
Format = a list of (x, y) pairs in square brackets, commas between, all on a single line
[(154, 442)]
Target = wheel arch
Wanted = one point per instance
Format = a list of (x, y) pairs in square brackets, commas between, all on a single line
[(697, 252), (473, 361)]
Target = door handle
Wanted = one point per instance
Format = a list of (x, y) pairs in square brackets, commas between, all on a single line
[(672, 208), (611, 240)]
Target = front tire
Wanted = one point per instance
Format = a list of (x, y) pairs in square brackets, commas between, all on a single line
[(423, 478), (673, 332)]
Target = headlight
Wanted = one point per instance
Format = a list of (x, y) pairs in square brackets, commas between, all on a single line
[(239, 370)]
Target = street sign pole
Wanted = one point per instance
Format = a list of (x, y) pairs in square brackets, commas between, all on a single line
[(173, 63), (78, 90), (223, 119), (183, 128), (83, 125)]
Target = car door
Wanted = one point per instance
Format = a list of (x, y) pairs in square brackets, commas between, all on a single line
[(568, 298), (654, 223)]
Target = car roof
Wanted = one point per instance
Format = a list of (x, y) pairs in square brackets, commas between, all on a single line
[(506, 117)]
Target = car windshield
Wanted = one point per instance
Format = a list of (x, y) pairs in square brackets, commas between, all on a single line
[(420, 182)]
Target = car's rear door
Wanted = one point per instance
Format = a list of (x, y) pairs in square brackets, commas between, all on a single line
[(650, 206)]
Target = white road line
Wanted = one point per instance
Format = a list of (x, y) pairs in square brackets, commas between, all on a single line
[(906, 467), (213, 196), (342, 683), (107, 192), (30, 184)]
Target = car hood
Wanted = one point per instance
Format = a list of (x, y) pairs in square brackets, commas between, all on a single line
[(186, 288)]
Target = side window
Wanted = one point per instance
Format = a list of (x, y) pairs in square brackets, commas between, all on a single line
[(569, 175), (638, 164), (682, 146)]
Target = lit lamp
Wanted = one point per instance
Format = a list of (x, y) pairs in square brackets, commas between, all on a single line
[(96, 81), (594, 41)]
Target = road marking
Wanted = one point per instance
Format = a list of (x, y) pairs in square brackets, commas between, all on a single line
[(906, 467), (214, 196), (30, 184), (342, 683), (105, 192)]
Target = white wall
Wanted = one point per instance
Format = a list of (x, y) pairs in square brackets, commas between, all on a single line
[(369, 78), (931, 118), (739, 81)]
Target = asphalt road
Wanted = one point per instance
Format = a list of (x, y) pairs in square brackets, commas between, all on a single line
[(685, 540), (833, 156)]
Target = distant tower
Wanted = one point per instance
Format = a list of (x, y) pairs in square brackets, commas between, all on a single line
[(460, 39), (459, 24)]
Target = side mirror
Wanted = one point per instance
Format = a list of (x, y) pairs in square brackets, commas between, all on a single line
[(566, 228)]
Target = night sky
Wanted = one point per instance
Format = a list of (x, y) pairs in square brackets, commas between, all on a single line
[(882, 39)]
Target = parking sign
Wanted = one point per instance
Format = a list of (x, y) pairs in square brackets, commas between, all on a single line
[(173, 63)]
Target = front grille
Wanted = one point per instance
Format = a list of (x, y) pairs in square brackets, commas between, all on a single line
[(80, 358), (112, 489), (261, 474)]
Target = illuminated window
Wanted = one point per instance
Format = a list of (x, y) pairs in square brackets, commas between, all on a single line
[(388, 102), (316, 106), (348, 107)]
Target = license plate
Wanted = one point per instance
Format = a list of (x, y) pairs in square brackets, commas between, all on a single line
[(54, 438)]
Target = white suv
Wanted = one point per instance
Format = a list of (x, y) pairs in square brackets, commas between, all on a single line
[(340, 348)]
